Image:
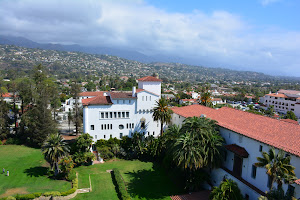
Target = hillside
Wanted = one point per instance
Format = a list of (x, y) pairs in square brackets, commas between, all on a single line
[(68, 64)]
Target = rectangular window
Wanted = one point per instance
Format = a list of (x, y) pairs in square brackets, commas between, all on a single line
[(102, 115), (115, 114), (110, 126), (106, 114), (142, 98), (150, 98), (146, 98), (129, 101), (148, 133), (110, 136), (127, 125), (123, 114), (119, 114), (260, 148), (127, 114), (132, 125), (253, 174), (104, 136), (92, 127), (96, 137), (121, 135), (153, 132), (104, 126), (111, 115)]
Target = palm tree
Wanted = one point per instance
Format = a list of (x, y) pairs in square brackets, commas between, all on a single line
[(214, 149), (53, 149), (278, 167), (198, 125), (227, 190), (187, 154), (206, 99), (162, 113)]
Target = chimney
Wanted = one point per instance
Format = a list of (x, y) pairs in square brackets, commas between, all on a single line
[(133, 91)]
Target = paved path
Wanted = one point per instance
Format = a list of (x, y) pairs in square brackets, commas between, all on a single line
[(83, 190), (203, 195)]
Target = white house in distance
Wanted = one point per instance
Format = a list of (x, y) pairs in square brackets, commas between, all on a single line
[(247, 135), (118, 113), (283, 101)]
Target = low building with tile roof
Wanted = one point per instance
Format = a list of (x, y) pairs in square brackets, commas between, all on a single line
[(112, 114), (247, 135)]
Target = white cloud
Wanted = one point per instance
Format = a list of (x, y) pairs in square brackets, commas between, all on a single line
[(219, 38)]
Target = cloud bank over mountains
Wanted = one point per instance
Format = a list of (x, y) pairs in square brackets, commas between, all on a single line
[(217, 39)]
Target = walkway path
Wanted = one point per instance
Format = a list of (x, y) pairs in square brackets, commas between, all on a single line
[(203, 195)]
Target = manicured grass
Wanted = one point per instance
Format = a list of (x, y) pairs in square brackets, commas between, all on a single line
[(27, 172), (144, 180)]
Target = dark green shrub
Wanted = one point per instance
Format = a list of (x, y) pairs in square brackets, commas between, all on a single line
[(120, 186), (66, 193), (71, 176), (53, 193), (25, 196)]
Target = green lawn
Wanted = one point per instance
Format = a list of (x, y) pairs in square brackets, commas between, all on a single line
[(144, 181), (27, 172)]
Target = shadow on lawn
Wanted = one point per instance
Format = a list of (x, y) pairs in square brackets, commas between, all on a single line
[(150, 184), (36, 171)]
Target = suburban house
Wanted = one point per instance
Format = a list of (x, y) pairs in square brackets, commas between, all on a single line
[(283, 101), (188, 101), (247, 135), (112, 114)]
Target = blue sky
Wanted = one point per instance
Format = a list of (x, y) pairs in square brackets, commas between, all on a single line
[(256, 35), (279, 13)]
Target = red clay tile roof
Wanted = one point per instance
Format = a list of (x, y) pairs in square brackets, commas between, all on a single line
[(295, 92), (290, 121), (142, 90), (216, 99), (139, 90), (277, 133), (150, 79), (91, 94), (7, 95), (277, 95), (297, 182), (121, 95), (98, 100), (237, 150), (189, 100)]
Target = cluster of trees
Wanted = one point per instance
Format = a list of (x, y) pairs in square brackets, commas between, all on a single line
[(62, 157), (194, 148)]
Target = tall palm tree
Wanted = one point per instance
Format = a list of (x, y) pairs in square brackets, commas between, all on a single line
[(162, 113), (227, 190), (214, 149), (54, 148), (198, 125), (206, 99), (278, 167)]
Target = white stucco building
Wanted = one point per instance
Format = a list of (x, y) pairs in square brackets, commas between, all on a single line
[(283, 101), (247, 135), (117, 113)]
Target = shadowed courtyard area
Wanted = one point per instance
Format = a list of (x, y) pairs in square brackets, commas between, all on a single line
[(144, 180), (27, 172)]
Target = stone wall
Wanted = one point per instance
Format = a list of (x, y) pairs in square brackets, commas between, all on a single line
[(58, 197)]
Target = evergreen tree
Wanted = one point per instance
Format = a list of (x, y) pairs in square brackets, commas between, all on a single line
[(78, 115), (291, 115)]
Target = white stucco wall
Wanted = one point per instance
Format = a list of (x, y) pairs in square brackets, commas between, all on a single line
[(154, 87), (253, 148)]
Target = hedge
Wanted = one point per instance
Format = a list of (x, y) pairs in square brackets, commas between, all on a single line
[(120, 186), (46, 194)]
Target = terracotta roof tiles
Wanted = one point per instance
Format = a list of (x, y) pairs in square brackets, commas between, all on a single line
[(277, 133), (91, 94), (150, 79), (98, 100), (121, 95)]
